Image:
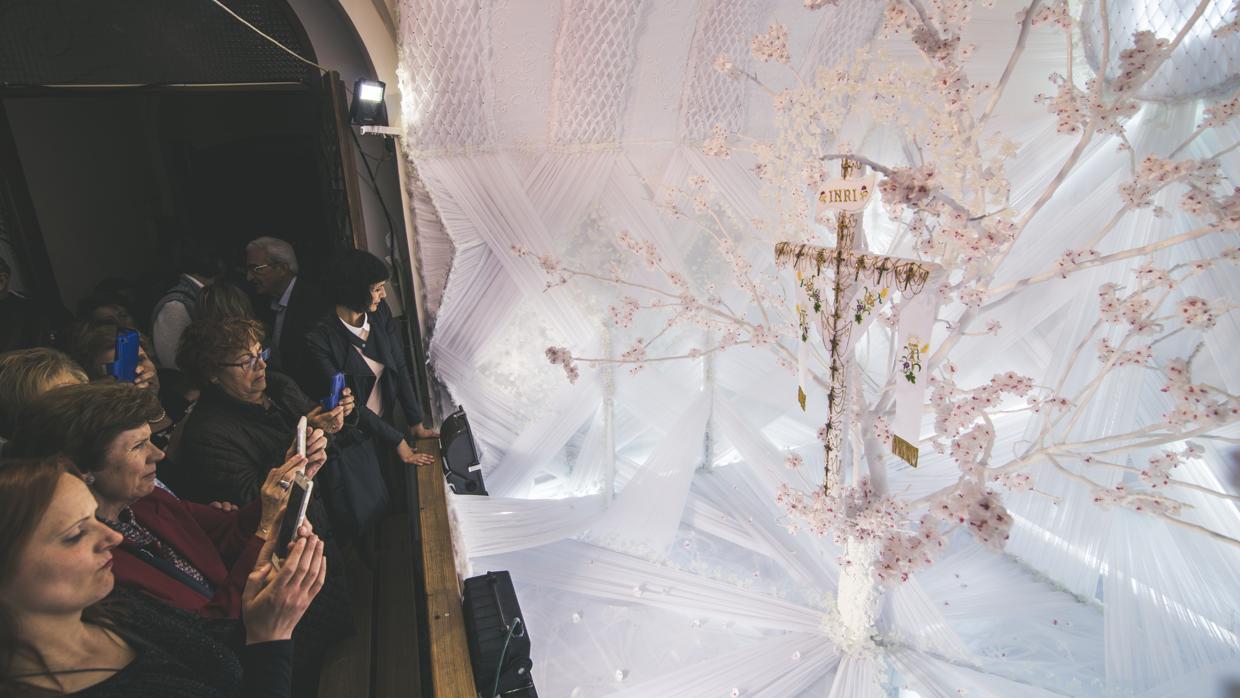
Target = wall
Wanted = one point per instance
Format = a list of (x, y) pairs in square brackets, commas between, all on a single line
[(99, 216)]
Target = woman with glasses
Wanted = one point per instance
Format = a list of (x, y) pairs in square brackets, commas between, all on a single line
[(246, 415), (241, 427)]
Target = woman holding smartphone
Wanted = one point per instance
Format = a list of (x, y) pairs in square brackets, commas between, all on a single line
[(64, 630), (360, 340)]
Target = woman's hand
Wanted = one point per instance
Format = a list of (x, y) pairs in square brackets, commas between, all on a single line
[(316, 451), (408, 456), (145, 373), (330, 421), (273, 601), (347, 401), (274, 496)]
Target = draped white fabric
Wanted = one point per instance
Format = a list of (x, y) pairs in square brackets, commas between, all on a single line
[(637, 512)]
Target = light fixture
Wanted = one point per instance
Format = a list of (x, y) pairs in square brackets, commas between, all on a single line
[(368, 108)]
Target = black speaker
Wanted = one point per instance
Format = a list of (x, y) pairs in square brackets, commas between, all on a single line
[(460, 455), (499, 646)]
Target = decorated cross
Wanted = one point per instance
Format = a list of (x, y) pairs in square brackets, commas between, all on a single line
[(847, 264)]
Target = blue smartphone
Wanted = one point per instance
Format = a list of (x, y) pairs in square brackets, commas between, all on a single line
[(125, 367), (333, 398)]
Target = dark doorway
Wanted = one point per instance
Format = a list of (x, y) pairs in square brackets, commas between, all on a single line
[(120, 182)]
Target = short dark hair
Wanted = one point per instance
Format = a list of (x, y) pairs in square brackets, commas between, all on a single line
[(91, 340), (205, 345), (350, 277), (222, 300), (81, 421), (196, 259)]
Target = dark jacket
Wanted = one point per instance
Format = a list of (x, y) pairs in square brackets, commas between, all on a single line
[(222, 545), (227, 446), (306, 306), (330, 349), (178, 655)]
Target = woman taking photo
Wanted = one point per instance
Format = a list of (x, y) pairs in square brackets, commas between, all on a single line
[(188, 555), (63, 630), (245, 417), (360, 340)]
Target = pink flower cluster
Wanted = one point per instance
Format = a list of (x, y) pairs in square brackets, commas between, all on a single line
[(772, 46), (636, 355), (622, 313), (907, 186), (647, 250), (1192, 403), (1158, 472), (1195, 311), (1155, 173), (1055, 13), (717, 145), (1140, 356), (1071, 258), (1069, 105), (562, 357), (1218, 114), (1136, 61), (1120, 495)]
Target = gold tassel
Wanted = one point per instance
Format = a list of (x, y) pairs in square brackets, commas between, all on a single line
[(904, 450), (801, 397)]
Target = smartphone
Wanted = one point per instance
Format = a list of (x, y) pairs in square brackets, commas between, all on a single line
[(301, 436), (294, 513), (333, 398), (125, 366)]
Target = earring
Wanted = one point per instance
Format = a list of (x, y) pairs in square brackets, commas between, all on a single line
[(89, 479)]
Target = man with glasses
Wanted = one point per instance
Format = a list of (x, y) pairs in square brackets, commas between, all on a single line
[(295, 303)]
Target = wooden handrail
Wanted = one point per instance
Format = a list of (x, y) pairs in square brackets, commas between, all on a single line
[(451, 672)]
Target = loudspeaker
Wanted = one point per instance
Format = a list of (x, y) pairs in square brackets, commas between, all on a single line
[(460, 455), (499, 646)]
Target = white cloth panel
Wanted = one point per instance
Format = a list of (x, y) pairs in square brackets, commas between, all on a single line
[(646, 513), (445, 74), (724, 28), (492, 525), (593, 61)]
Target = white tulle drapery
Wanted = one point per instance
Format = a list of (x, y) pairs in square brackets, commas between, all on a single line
[(637, 513)]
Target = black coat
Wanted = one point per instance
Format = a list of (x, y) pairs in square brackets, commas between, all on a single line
[(306, 306), (228, 446), (329, 350)]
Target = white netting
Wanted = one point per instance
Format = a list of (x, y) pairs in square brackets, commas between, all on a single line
[(593, 62), (710, 97), (843, 29), (1202, 65), (444, 73)]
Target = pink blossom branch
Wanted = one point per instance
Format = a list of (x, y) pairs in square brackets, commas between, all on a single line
[(1170, 481), (1010, 289)]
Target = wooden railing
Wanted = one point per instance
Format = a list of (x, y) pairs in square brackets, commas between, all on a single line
[(451, 672), (385, 659)]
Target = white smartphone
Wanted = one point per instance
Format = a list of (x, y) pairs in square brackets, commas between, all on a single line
[(294, 514), (301, 436)]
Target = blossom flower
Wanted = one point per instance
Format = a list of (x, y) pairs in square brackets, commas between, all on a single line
[(562, 357), (717, 144), (1197, 312), (772, 46)]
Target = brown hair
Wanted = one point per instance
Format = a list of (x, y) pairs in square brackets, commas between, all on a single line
[(24, 375), (81, 421), (205, 345), (26, 490), (222, 301), (92, 340)]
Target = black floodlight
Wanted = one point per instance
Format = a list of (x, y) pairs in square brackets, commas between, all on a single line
[(368, 108)]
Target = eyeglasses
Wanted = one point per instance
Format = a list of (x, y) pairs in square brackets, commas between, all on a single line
[(252, 363), (257, 268)]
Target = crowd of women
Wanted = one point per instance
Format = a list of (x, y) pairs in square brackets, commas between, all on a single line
[(138, 521)]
